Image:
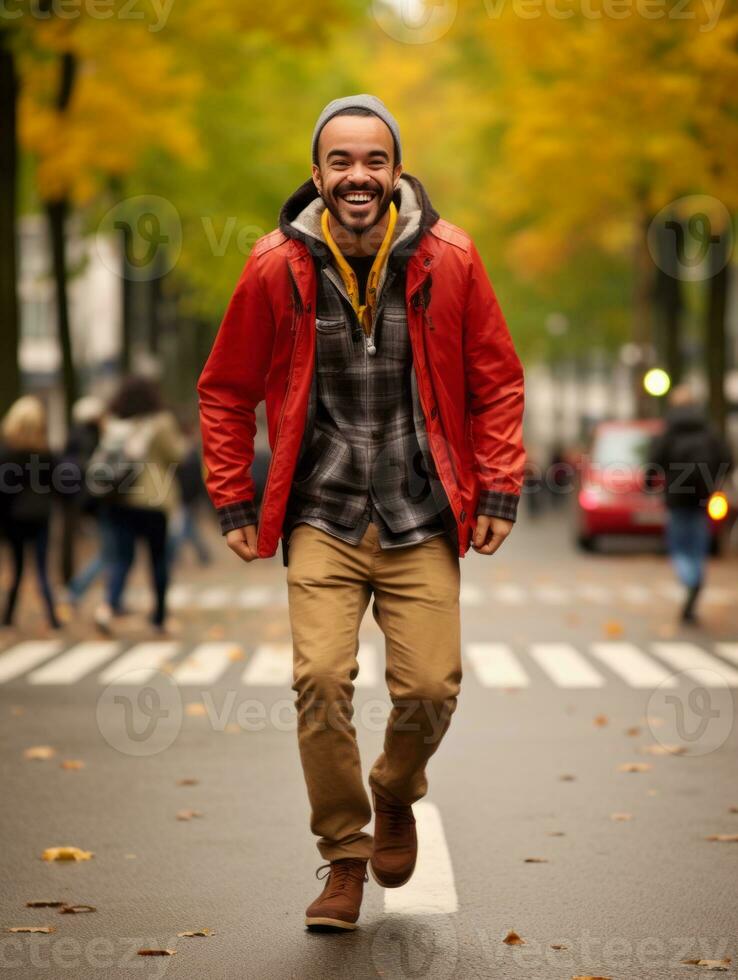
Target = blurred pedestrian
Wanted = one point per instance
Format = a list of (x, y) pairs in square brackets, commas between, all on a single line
[(185, 527), (26, 492), (140, 448), (694, 460), (84, 436)]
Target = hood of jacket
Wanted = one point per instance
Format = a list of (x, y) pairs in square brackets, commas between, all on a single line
[(300, 217)]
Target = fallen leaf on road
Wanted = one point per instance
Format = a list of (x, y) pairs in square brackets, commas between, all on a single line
[(236, 654), (724, 838), (187, 781), (156, 952), (710, 964), (633, 731), (601, 720), (44, 905), (188, 814), (16, 710), (663, 750), (588, 977), (733, 809), (567, 778), (621, 816), (198, 932), (536, 860), (196, 709), (129, 857), (513, 939), (233, 728), (72, 764), (556, 833), (613, 627), (654, 721), (42, 752), (45, 929), (634, 767), (558, 946), (215, 633), (76, 909), (66, 854)]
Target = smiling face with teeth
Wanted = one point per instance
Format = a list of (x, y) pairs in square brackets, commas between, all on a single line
[(356, 178)]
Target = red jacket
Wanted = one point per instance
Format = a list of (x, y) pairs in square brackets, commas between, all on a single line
[(470, 379)]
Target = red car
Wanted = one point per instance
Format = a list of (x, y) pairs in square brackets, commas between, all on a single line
[(614, 495)]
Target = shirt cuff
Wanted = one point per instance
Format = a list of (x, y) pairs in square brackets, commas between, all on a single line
[(233, 516), (493, 503)]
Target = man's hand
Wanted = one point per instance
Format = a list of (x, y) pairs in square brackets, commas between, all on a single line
[(243, 542), (489, 534)]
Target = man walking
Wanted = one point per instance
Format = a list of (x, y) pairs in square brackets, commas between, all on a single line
[(694, 459), (394, 400)]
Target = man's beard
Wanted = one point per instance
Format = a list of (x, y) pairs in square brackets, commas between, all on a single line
[(382, 209)]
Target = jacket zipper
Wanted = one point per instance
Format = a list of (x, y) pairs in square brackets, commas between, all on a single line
[(296, 314), (419, 300)]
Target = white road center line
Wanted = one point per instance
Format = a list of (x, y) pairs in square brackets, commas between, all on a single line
[(431, 888), (688, 656), (565, 665), (75, 663), (496, 665), (21, 657), (634, 666)]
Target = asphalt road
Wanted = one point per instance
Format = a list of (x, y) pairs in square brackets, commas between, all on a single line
[(574, 667)]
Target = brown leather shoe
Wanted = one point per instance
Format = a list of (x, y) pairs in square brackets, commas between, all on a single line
[(339, 903), (395, 843)]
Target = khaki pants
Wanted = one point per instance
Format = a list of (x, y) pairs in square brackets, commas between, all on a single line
[(416, 604)]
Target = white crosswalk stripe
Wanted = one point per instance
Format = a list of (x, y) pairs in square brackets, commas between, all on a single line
[(76, 663), (206, 663), (185, 598), (551, 595), (492, 665), (270, 666), (633, 666), (432, 888), (728, 650), (710, 671), (509, 594), (23, 656), (139, 663), (597, 594), (368, 675), (565, 665), (495, 665)]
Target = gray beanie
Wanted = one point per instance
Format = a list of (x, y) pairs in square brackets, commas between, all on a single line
[(363, 101)]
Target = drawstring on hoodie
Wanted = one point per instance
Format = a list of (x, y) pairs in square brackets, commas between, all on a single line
[(364, 311)]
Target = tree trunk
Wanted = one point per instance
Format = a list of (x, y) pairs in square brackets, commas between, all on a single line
[(56, 213), (715, 335), (9, 310), (668, 295), (643, 295)]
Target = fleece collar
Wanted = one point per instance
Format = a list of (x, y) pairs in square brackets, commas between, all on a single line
[(301, 213)]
